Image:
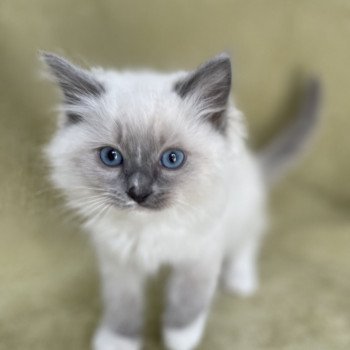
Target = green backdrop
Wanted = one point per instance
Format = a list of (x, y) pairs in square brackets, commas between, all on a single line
[(48, 280)]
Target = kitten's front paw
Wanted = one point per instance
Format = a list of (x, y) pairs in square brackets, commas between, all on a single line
[(243, 284), (106, 339), (186, 338)]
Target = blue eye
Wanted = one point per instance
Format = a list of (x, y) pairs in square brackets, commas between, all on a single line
[(110, 156), (172, 159)]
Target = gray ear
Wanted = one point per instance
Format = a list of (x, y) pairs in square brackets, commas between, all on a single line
[(74, 81), (210, 84)]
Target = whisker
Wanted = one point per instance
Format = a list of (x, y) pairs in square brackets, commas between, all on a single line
[(99, 212)]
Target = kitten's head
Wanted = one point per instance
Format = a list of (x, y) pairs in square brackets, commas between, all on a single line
[(140, 140)]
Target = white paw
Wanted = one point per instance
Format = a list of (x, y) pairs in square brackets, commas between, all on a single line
[(185, 338), (105, 339), (244, 284)]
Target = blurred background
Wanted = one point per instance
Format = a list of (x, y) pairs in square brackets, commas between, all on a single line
[(48, 280)]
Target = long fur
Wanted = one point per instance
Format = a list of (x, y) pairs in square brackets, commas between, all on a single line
[(208, 215)]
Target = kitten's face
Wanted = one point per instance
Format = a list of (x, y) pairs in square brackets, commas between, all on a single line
[(139, 141)]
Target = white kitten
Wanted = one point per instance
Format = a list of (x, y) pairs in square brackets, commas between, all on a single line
[(158, 167)]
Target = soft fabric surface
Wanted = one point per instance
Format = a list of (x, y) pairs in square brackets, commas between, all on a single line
[(48, 280)]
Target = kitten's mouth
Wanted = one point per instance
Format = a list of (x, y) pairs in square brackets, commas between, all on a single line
[(151, 204)]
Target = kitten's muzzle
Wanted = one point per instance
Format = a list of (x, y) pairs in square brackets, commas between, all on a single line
[(139, 186)]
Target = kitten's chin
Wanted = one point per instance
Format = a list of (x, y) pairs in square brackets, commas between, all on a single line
[(145, 207)]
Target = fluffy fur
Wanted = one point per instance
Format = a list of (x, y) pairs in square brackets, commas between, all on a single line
[(203, 219)]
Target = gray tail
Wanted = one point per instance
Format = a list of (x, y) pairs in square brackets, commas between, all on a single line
[(285, 150)]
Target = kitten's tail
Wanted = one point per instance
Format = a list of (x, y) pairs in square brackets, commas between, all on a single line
[(283, 152)]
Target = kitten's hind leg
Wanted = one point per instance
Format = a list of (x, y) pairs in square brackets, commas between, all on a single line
[(240, 269), (189, 295), (122, 291)]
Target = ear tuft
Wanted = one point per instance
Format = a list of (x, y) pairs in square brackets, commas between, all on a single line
[(75, 82), (210, 85)]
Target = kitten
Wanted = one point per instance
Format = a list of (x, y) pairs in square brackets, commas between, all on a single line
[(157, 165)]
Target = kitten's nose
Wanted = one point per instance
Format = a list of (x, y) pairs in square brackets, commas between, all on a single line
[(138, 194)]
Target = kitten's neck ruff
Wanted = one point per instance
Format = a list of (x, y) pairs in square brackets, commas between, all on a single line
[(150, 239)]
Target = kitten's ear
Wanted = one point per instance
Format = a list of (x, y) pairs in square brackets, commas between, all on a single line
[(75, 82), (209, 86)]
